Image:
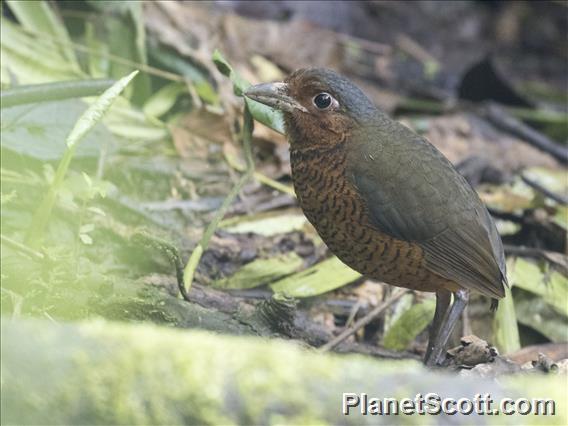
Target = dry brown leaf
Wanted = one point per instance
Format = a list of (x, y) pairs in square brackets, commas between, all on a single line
[(197, 130)]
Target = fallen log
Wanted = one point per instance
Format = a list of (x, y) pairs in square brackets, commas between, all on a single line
[(111, 373)]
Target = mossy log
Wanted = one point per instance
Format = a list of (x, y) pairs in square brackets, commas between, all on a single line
[(111, 373)]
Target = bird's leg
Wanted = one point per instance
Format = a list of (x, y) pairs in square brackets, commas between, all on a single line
[(461, 297), (443, 298), (466, 323)]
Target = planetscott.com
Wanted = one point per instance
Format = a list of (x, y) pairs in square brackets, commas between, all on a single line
[(433, 404)]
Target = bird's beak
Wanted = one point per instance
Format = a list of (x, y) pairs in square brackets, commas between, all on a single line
[(274, 95)]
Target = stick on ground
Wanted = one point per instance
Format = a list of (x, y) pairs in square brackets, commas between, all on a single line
[(363, 321), (503, 120)]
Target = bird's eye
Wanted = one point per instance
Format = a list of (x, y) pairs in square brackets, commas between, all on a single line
[(323, 100)]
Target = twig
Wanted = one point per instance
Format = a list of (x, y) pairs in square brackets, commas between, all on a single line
[(353, 313), (265, 180), (200, 205), (412, 48), (503, 120), (363, 321), (193, 261), (439, 107), (35, 255), (559, 198), (424, 106), (17, 302), (286, 189), (367, 45), (511, 217), (540, 116), (558, 260)]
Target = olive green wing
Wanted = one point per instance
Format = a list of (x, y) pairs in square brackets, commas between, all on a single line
[(413, 193)]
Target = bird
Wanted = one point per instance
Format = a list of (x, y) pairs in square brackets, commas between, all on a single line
[(385, 201)]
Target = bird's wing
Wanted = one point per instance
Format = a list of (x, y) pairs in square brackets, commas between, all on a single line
[(439, 211)]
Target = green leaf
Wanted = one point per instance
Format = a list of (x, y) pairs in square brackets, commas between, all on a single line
[(561, 217), (98, 62), (514, 197), (239, 84), (505, 328), (127, 39), (551, 285), (554, 180), (135, 132), (266, 115), (196, 77), (262, 113), (132, 124), (95, 112), (532, 311), (409, 325), (29, 59), (39, 130), (261, 271), (142, 86), (86, 239), (85, 229), (164, 99), (39, 18), (266, 224), (320, 278), (400, 307), (79, 188)]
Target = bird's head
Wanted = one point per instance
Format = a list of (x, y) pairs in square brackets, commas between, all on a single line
[(320, 106)]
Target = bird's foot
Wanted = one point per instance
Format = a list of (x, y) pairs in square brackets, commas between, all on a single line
[(444, 321)]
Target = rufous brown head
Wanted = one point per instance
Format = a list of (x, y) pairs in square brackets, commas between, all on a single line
[(320, 107)]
